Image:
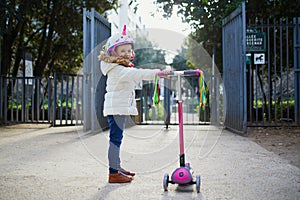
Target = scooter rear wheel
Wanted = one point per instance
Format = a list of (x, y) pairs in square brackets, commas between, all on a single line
[(166, 182)]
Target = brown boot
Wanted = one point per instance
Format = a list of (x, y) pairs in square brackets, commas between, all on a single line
[(128, 173), (119, 178)]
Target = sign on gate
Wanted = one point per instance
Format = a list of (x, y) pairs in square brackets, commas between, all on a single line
[(259, 58), (255, 42)]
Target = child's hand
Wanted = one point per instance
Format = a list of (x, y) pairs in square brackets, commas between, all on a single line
[(164, 73)]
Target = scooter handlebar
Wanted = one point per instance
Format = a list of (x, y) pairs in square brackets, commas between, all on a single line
[(196, 72)]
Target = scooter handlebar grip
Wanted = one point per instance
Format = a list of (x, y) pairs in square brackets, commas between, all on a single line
[(160, 73)]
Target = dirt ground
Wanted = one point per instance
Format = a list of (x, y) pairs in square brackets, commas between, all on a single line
[(283, 141)]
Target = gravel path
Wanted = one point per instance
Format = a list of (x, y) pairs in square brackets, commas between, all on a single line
[(64, 163)]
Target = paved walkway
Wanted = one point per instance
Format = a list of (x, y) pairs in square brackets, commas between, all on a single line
[(65, 163)]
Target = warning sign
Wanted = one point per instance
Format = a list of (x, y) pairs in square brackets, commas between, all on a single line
[(259, 58), (256, 42)]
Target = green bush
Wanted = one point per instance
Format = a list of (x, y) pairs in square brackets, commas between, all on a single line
[(156, 111)]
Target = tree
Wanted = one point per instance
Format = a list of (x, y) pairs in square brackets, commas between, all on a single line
[(205, 17), (49, 29), (148, 55)]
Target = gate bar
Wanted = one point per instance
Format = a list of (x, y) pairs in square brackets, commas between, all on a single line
[(297, 68)]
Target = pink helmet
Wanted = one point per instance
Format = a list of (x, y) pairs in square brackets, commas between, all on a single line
[(117, 40)]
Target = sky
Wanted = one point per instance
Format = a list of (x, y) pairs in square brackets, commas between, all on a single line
[(167, 33), (146, 9)]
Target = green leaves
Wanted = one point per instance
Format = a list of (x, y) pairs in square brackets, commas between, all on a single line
[(49, 29), (205, 17)]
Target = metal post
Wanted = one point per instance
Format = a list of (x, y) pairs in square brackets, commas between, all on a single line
[(5, 100), (67, 98), (244, 67), (61, 99), (77, 111), (213, 92), (0, 65), (54, 101), (167, 114), (1, 96), (49, 98), (93, 84), (1, 112), (17, 96), (72, 99), (23, 89), (297, 68), (85, 74)]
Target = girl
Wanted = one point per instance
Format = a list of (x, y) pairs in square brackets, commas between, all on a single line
[(120, 97)]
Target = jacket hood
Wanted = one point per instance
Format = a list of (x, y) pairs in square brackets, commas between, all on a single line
[(109, 62), (106, 67)]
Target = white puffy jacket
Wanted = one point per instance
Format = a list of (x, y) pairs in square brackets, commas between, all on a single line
[(120, 96)]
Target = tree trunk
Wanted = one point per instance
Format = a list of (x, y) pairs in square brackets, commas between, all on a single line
[(6, 54)]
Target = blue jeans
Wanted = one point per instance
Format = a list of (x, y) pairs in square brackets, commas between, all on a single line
[(116, 125)]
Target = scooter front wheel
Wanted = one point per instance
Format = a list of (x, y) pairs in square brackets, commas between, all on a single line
[(198, 183), (166, 182)]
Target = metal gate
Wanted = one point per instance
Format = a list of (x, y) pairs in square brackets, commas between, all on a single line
[(95, 30), (25, 99), (66, 100), (234, 70), (53, 100), (273, 72), (261, 64)]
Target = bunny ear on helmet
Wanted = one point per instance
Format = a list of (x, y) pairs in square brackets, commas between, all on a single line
[(124, 30)]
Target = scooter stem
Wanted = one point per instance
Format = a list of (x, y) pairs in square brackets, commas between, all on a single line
[(181, 140), (180, 118)]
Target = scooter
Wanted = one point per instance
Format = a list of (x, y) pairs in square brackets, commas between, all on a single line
[(183, 175)]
